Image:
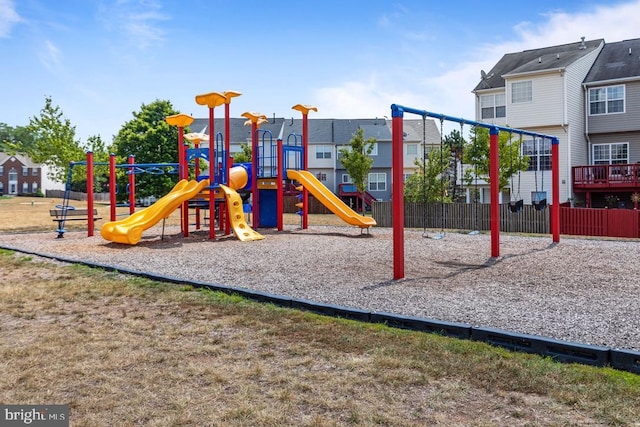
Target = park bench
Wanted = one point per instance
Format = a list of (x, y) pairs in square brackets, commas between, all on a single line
[(63, 215)]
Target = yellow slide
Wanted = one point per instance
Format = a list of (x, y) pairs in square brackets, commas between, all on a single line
[(236, 216), (129, 230), (330, 200)]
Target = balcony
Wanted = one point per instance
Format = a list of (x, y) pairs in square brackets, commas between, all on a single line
[(618, 177)]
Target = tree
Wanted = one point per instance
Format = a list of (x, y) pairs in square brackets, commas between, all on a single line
[(243, 156), (455, 143), (428, 184), (357, 161), (151, 140), (15, 140), (511, 162), (53, 143)]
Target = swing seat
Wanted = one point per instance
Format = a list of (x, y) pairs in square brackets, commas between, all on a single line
[(539, 205), (516, 206)]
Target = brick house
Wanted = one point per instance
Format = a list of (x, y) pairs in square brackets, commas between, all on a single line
[(19, 175)]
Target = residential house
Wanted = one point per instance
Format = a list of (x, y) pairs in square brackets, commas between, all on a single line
[(326, 138), (541, 90), (19, 175), (607, 169)]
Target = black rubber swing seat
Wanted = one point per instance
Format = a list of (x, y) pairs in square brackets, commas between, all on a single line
[(539, 205), (516, 206)]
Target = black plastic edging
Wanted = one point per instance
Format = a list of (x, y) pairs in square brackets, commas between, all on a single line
[(449, 329), (561, 351), (625, 360), (331, 310)]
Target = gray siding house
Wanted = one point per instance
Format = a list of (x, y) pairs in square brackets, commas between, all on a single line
[(611, 170), (326, 138), (540, 90), (585, 93)]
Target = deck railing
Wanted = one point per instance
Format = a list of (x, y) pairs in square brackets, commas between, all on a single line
[(606, 176)]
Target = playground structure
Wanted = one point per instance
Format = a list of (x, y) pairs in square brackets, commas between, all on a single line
[(272, 164), (397, 114), (66, 210)]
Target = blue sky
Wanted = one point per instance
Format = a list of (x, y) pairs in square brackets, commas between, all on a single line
[(101, 60)]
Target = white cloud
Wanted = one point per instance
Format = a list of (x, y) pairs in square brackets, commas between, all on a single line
[(8, 17), (139, 19), (361, 99), (50, 56)]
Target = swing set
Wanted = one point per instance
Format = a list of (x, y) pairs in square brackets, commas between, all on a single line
[(397, 114)]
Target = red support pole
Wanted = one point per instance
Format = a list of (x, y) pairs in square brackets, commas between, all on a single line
[(112, 187), (494, 178), (227, 162), (555, 180), (280, 192), (397, 194), (132, 185), (255, 195), (90, 224), (196, 173), (305, 167)]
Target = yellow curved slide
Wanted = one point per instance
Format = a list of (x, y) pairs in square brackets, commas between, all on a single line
[(236, 216), (330, 200), (129, 230)]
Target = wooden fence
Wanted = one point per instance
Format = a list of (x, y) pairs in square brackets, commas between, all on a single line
[(463, 216), (600, 222)]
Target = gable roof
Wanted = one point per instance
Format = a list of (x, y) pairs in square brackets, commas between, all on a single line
[(536, 60), (619, 60), (338, 131), (26, 161), (413, 131)]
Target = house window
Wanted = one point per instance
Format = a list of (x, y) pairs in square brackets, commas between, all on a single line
[(412, 149), (521, 92), (377, 182), (606, 100), (1, 170), (539, 152), (611, 154), (493, 106), (1, 188), (25, 171), (321, 176), (13, 175), (34, 172), (346, 179), (25, 187), (374, 152), (323, 152), (405, 176), (34, 187)]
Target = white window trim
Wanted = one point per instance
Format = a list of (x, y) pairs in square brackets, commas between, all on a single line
[(525, 101), (537, 152), (377, 181), (608, 159), (606, 100), (325, 150), (493, 104)]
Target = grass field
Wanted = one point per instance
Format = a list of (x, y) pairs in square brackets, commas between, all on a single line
[(125, 351)]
